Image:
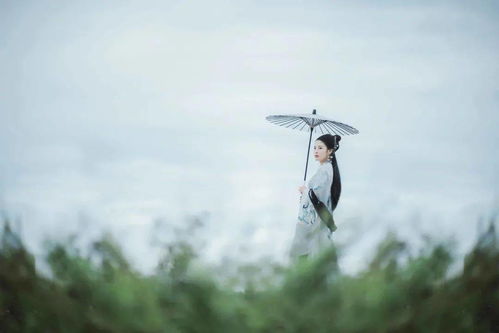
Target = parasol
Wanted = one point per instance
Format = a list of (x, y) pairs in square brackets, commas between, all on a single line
[(307, 121)]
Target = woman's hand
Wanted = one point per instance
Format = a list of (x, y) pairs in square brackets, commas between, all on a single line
[(302, 188)]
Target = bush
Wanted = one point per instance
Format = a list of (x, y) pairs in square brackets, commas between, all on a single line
[(101, 292)]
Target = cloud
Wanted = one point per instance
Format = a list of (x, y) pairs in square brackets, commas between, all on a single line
[(130, 112)]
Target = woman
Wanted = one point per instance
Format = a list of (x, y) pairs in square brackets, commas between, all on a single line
[(312, 234)]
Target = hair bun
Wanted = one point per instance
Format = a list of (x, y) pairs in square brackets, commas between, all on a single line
[(338, 138)]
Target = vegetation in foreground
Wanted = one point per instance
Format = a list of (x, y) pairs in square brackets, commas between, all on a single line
[(102, 292)]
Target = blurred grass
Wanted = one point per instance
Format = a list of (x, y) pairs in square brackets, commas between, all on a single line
[(102, 292)]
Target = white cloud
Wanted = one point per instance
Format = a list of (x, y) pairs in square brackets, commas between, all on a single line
[(129, 112)]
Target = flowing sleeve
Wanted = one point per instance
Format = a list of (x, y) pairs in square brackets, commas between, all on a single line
[(321, 186)]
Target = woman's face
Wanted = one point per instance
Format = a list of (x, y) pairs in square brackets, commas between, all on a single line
[(321, 153)]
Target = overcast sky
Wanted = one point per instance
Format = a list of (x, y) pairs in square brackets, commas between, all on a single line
[(114, 114)]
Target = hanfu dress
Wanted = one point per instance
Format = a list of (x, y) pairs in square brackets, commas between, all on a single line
[(311, 234)]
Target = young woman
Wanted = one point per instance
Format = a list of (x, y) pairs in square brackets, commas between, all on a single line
[(311, 233)]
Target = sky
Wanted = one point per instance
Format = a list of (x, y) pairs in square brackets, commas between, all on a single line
[(134, 116)]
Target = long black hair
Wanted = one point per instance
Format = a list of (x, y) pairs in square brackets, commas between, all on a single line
[(332, 142)]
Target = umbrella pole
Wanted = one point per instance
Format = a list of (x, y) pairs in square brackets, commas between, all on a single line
[(308, 152)]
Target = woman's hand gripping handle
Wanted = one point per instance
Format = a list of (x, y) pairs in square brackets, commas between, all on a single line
[(302, 189)]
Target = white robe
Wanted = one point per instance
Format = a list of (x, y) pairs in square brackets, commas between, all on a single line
[(311, 234)]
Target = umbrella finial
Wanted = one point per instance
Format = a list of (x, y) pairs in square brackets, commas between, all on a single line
[(314, 112)]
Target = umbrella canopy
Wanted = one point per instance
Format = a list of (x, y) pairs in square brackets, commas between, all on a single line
[(305, 122), (308, 122)]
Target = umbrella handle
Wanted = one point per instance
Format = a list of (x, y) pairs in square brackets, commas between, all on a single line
[(304, 184), (308, 153)]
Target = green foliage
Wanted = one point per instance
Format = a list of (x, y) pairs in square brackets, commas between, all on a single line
[(102, 292)]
